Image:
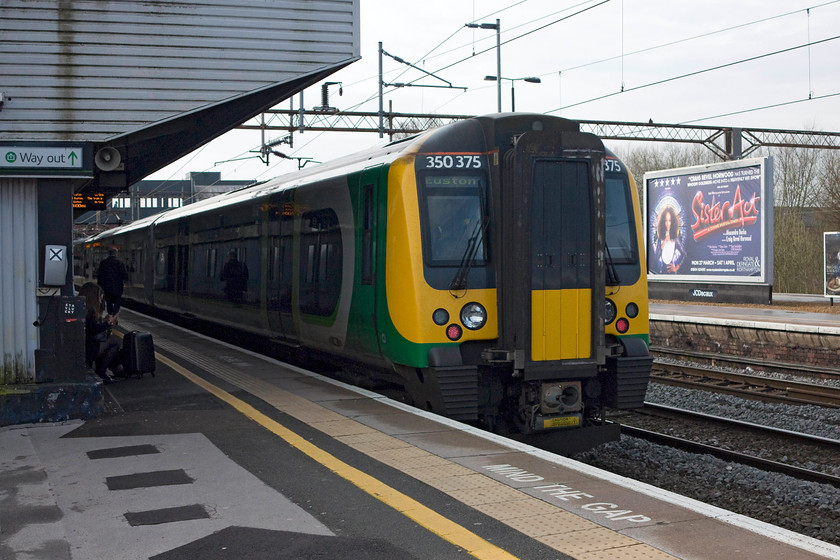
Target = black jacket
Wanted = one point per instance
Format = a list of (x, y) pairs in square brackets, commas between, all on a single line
[(111, 276)]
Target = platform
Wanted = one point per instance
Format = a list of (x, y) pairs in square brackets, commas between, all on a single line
[(764, 334), (762, 317), (226, 454)]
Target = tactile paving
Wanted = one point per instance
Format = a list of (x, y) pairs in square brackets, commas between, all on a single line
[(553, 523), (589, 540), (639, 551), (488, 495), (511, 509)]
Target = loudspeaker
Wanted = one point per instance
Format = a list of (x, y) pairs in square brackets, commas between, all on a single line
[(107, 159)]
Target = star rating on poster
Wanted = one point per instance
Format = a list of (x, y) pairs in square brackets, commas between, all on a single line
[(667, 182)]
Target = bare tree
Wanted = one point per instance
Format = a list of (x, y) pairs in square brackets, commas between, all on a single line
[(642, 158), (800, 194), (796, 177), (830, 186)]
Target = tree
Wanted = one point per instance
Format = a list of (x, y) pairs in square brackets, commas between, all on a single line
[(642, 158), (801, 191)]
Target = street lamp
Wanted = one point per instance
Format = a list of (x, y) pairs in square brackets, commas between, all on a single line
[(498, 27), (529, 79)]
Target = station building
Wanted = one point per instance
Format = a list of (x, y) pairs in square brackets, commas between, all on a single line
[(152, 196), (95, 96)]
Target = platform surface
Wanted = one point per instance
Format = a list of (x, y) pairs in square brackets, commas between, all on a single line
[(767, 316), (226, 454)]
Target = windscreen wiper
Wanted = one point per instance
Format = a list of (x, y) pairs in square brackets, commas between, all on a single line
[(612, 272), (468, 260)]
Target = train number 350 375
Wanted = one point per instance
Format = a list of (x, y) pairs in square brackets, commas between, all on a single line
[(453, 162)]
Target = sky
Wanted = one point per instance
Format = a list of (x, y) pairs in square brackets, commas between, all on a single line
[(745, 63)]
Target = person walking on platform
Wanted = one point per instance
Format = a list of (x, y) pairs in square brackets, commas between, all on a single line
[(111, 276)]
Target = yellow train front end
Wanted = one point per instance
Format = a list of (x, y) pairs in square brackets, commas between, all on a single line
[(439, 283), (497, 258)]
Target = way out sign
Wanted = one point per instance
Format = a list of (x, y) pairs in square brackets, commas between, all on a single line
[(14, 156), (29, 159)]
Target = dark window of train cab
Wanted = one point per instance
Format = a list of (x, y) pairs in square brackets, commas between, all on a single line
[(453, 210), (620, 230), (321, 262), (622, 250)]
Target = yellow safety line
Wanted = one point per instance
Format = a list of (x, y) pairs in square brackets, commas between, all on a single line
[(428, 518)]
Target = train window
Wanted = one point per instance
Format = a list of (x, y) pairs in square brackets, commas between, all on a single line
[(160, 263), (620, 228), (285, 284), (210, 258), (135, 265), (321, 262), (274, 261), (453, 212)]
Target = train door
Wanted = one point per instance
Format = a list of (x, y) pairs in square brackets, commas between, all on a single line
[(182, 269), (281, 270), (552, 259), (365, 299)]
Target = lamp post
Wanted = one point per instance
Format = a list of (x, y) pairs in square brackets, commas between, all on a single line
[(529, 79), (498, 27)]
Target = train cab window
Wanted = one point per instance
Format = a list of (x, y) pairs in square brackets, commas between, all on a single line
[(620, 229), (622, 250), (453, 212), (321, 262)]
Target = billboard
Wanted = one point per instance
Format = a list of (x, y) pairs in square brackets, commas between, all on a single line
[(831, 259), (711, 223)]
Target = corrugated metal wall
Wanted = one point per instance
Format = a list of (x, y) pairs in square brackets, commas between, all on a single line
[(87, 70), (18, 271)]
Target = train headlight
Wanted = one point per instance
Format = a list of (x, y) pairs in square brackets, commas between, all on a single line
[(632, 310), (610, 312), (473, 316)]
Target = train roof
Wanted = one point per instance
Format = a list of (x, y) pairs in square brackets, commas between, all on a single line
[(358, 161), (348, 164), (378, 155)]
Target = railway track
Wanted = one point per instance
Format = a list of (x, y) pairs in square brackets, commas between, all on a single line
[(762, 447), (722, 360), (767, 389)]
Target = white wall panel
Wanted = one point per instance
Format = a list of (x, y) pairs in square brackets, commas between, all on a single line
[(18, 273)]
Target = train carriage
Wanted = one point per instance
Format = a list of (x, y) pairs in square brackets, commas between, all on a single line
[(491, 267)]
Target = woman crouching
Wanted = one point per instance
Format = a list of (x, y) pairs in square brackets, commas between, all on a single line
[(102, 349)]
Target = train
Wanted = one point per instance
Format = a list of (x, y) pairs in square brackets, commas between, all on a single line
[(492, 268)]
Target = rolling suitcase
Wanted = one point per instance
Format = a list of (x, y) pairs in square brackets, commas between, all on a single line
[(138, 353)]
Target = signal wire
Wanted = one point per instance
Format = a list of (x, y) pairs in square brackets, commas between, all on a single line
[(773, 106), (695, 73), (700, 36)]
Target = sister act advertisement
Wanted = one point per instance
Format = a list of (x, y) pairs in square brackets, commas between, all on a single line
[(709, 223)]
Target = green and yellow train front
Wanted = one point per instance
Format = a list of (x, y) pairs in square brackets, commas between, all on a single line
[(494, 273)]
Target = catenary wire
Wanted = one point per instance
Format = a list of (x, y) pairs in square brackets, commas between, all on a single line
[(695, 73)]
